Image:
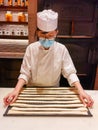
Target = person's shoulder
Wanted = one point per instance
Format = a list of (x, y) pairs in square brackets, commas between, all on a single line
[(33, 45), (60, 46)]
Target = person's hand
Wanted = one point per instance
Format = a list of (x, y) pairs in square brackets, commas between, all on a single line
[(86, 99), (10, 98)]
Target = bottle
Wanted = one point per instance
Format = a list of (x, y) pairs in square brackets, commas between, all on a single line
[(21, 17), (8, 16), (1, 2), (15, 3), (23, 3), (9, 2), (26, 3), (19, 2)]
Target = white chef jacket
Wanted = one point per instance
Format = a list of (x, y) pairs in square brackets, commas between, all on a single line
[(43, 67)]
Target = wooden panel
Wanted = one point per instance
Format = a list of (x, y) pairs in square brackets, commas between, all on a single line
[(96, 80), (74, 10), (9, 71), (32, 10), (81, 13)]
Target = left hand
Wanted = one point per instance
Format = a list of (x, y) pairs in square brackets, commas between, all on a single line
[(86, 99)]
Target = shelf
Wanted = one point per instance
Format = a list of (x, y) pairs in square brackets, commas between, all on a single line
[(80, 39), (74, 36), (13, 8), (13, 22), (11, 55), (12, 51), (13, 37)]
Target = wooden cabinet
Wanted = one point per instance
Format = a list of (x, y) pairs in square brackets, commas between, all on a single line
[(13, 22), (30, 22), (14, 32)]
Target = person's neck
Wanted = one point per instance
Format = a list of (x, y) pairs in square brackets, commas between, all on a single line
[(46, 48)]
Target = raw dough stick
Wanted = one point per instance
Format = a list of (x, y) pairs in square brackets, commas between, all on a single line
[(49, 89), (47, 105), (53, 88), (50, 109), (54, 96), (50, 98), (48, 92), (12, 112), (50, 102)]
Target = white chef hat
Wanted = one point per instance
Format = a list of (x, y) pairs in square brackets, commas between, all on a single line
[(47, 20)]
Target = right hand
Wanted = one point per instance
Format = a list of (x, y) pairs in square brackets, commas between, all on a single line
[(10, 98)]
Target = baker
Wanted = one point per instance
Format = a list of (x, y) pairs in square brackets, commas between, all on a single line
[(45, 60)]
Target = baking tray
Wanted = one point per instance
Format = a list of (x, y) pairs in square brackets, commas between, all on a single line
[(46, 101)]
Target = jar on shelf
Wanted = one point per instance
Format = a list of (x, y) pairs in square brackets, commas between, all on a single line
[(8, 16), (9, 2), (26, 3), (21, 17), (1, 2), (19, 2), (15, 3), (23, 3)]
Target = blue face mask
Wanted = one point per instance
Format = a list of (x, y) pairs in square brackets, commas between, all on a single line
[(46, 43)]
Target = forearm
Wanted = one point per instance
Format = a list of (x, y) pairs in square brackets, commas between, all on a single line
[(78, 86), (21, 82)]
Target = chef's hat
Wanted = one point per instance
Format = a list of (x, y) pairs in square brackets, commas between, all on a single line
[(47, 20)]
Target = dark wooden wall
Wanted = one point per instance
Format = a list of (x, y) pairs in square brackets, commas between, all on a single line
[(9, 72), (78, 31)]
